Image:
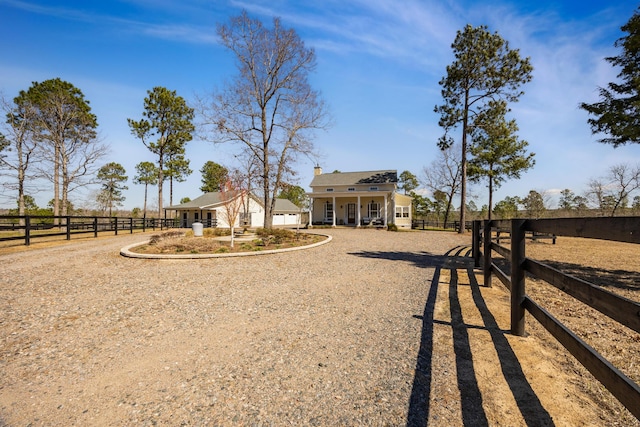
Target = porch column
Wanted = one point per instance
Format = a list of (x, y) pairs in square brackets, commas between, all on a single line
[(310, 212), (358, 220), (384, 221), (334, 212)]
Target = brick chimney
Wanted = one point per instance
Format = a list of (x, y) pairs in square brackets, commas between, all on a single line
[(317, 170)]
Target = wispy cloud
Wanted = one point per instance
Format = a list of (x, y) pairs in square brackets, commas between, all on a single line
[(189, 33), (417, 32)]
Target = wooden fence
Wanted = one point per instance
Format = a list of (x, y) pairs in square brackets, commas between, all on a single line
[(620, 309), (422, 224), (26, 228)]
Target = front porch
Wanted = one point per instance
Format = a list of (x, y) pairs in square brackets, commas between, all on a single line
[(351, 210)]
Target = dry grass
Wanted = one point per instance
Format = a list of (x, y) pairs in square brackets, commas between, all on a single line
[(613, 266)]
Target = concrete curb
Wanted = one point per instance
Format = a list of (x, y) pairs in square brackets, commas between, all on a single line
[(127, 253)]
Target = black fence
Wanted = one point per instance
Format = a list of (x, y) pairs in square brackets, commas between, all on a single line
[(618, 308), (29, 227), (422, 224)]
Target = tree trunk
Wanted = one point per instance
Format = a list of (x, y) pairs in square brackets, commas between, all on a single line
[(64, 164), (490, 196), (56, 182), (446, 215), (160, 180), (21, 173), (463, 166), (171, 191), (144, 209)]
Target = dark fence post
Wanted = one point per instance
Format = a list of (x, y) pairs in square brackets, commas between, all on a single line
[(517, 276), (486, 236), (115, 225), (131, 225), (68, 220), (27, 230), (475, 246), (95, 226)]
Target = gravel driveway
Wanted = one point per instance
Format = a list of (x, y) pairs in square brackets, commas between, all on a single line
[(334, 335), (323, 336)]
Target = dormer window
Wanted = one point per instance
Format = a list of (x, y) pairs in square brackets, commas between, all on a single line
[(329, 190), (351, 189), (373, 188)]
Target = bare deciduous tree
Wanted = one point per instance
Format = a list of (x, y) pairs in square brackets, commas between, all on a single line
[(613, 191), (270, 107), (18, 149), (444, 175), (66, 130)]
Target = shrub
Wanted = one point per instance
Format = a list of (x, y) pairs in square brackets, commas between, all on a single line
[(392, 227), (157, 238)]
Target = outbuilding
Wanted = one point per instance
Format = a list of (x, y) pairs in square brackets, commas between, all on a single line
[(209, 209)]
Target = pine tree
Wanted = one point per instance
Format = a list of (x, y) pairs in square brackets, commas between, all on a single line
[(485, 69), (165, 129), (618, 112), (497, 151), (112, 178)]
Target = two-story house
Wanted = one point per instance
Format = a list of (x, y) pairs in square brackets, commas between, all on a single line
[(358, 199)]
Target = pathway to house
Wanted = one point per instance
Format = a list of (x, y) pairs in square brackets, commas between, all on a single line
[(374, 328)]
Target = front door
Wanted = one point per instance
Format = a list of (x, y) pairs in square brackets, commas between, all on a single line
[(351, 213)]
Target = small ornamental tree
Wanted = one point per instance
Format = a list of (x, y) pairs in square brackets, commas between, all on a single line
[(231, 194)]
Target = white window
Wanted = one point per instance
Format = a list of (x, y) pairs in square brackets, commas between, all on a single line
[(373, 188), (329, 190), (402, 211), (351, 189), (373, 210)]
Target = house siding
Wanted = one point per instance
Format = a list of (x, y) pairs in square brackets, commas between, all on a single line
[(210, 204), (357, 198)]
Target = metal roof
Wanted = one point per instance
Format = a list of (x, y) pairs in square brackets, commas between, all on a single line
[(355, 178)]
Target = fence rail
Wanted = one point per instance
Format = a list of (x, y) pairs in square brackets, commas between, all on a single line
[(423, 224), (618, 308), (30, 227)]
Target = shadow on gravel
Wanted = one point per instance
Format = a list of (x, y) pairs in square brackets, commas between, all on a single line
[(533, 413)]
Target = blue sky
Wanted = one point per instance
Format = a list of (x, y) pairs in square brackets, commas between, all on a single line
[(379, 63)]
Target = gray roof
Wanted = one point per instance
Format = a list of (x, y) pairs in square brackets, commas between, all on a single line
[(354, 178), (207, 199), (285, 206), (213, 198)]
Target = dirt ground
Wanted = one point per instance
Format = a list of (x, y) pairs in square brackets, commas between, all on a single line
[(375, 328)]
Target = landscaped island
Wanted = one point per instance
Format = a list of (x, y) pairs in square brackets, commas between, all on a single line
[(218, 241)]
